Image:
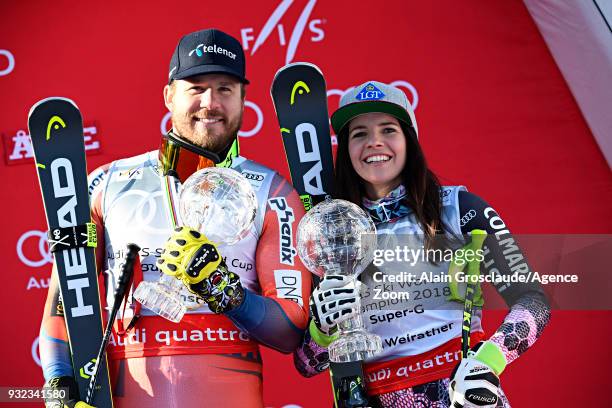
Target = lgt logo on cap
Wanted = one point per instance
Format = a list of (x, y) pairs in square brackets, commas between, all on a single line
[(370, 93)]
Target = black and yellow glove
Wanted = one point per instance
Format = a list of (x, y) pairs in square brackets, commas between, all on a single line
[(190, 257), (68, 387)]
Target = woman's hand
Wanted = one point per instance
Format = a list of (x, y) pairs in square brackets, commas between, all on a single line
[(333, 302), (475, 381)]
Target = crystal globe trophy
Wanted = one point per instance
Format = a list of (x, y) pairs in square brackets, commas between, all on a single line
[(336, 237), (221, 204)]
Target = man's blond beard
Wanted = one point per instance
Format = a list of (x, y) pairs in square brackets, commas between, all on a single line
[(213, 144)]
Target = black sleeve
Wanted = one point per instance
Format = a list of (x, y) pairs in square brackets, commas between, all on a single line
[(501, 252)]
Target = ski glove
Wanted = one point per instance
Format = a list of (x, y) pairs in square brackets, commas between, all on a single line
[(333, 302), (71, 400), (190, 257), (475, 380)]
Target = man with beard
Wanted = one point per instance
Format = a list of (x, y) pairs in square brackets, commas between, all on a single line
[(211, 358)]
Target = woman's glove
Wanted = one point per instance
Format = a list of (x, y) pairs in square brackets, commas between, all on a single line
[(333, 302), (475, 381)]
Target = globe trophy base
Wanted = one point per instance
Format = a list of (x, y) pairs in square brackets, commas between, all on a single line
[(162, 298), (355, 346)]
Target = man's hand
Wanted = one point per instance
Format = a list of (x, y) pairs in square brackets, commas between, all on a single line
[(71, 400), (475, 381), (190, 257)]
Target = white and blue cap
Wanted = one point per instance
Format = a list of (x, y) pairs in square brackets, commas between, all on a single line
[(373, 96)]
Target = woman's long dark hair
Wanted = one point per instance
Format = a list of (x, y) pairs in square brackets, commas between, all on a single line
[(422, 185)]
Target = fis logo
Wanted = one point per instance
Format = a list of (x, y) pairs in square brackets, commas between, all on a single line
[(129, 174), (370, 93), (304, 23), (284, 213)]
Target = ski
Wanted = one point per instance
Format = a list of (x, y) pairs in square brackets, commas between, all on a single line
[(300, 100), (56, 129)]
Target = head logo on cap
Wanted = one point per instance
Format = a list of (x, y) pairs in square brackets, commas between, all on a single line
[(370, 93)]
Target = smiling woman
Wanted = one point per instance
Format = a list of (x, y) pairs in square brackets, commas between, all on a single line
[(425, 359), (377, 148)]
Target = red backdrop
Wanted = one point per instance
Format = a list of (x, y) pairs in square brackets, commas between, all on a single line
[(494, 114)]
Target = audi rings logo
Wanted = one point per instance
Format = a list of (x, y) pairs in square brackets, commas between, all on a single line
[(11, 62), (33, 250), (467, 217), (165, 123), (252, 176)]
